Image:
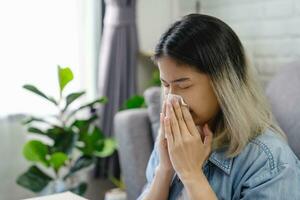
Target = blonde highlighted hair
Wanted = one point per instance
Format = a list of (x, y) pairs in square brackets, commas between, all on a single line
[(245, 112)]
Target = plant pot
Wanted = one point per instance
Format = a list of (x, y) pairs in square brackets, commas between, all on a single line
[(55, 186), (59, 185)]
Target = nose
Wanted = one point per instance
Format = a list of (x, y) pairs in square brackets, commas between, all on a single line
[(173, 92), (170, 91)]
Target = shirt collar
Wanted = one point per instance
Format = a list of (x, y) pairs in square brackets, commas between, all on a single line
[(220, 159)]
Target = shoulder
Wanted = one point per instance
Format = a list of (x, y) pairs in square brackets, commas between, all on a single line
[(271, 148), (267, 167), (266, 157)]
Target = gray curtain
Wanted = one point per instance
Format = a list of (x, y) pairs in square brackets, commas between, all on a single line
[(117, 61)]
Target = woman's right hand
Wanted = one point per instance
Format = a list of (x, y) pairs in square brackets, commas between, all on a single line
[(164, 172), (164, 160)]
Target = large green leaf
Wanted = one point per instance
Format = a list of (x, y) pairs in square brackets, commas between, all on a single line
[(93, 141), (29, 120), (72, 97), (34, 179), (83, 124), (109, 148), (57, 160), (38, 92), (134, 102), (96, 139), (54, 132), (36, 151), (80, 163), (80, 189), (35, 130), (65, 75), (50, 134), (64, 141)]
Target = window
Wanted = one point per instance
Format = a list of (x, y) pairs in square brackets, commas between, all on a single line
[(35, 37)]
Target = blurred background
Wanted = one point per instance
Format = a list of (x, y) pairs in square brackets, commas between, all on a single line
[(107, 47)]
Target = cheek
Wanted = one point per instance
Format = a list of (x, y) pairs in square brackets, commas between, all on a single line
[(203, 110)]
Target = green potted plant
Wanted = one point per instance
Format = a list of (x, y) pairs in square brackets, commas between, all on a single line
[(73, 143)]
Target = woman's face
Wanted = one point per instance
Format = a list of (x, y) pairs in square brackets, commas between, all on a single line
[(194, 87)]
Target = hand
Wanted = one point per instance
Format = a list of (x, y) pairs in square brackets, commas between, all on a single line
[(165, 162), (187, 150)]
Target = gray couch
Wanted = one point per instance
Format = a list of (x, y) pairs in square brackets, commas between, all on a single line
[(136, 129)]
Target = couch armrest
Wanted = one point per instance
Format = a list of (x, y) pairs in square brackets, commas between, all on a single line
[(134, 138)]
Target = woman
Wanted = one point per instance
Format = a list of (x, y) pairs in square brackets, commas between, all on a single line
[(225, 144)]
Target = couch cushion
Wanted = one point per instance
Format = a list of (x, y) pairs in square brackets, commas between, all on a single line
[(152, 98), (283, 92)]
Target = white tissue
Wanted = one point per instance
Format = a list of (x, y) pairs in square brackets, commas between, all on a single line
[(171, 96)]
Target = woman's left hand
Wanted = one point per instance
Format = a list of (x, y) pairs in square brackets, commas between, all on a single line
[(187, 150)]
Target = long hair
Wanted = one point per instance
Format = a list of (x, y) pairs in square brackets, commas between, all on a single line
[(211, 47)]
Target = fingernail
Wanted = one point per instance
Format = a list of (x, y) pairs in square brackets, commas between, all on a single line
[(206, 127), (175, 101), (169, 104), (166, 119)]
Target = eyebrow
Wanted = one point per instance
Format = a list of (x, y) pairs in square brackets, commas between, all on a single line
[(177, 80)]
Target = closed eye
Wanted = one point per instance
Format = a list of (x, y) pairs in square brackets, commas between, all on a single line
[(181, 87), (185, 87)]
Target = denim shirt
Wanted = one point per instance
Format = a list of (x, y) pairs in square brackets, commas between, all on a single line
[(266, 169)]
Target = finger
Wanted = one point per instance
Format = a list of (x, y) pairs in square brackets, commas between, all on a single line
[(179, 116), (161, 129), (173, 122), (164, 107), (200, 132), (168, 131), (208, 135), (189, 121)]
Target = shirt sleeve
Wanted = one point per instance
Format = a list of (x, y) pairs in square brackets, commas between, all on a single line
[(283, 182), (150, 170)]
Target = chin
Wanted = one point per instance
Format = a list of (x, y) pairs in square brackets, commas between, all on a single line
[(199, 123), (197, 120)]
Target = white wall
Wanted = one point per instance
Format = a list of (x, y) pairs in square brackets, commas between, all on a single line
[(35, 37), (155, 16), (269, 29)]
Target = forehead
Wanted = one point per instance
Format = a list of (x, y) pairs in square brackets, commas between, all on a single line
[(171, 70)]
